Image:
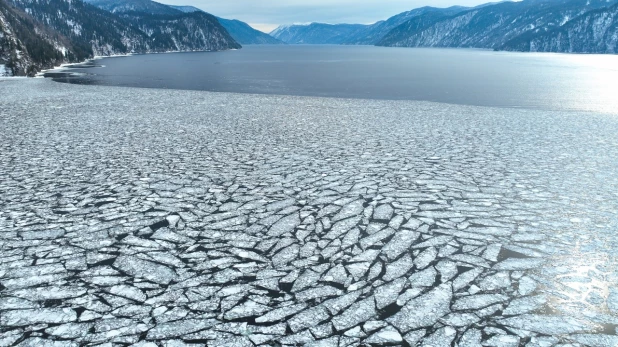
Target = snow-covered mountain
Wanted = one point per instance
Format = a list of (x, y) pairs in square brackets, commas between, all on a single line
[(185, 9), (489, 26), (350, 34), (317, 33), (528, 25), (375, 32), (25, 45), (197, 31), (40, 34), (240, 31), (593, 32), (245, 34), (124, 6)]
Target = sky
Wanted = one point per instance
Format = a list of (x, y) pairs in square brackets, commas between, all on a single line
[(266, 15)]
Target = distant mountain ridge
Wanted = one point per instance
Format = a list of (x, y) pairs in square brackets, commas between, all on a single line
[(489, 26), (185, 9), (350, 34), (586, 26), (124, 6), (375, 32), (240, 31), (246, 35), (317, 33)]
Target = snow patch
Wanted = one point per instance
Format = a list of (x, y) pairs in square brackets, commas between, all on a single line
[(4, 71)]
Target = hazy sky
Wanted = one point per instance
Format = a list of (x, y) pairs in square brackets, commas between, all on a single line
[(266, 15)]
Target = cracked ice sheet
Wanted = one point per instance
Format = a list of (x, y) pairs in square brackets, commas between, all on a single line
[(425, 310), (257, 220)]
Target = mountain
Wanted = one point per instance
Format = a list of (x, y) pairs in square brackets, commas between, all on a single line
[(100, 32), (25, 45), (170, 27), (350, 34), (593, 32), (528, 25), (317, 33), (36, 34), (375, 32), (196, 31), (185, 9), (90, 30), (488, 26), (240, 31), (245, 34), (143, 6)]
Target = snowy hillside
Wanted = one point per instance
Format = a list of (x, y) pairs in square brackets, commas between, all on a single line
[(240, 31), (317, 33), (40, 34), (528, 25), (489, 26), (25, 45), (593, 32)]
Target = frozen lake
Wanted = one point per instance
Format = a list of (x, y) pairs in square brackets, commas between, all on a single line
[(143, 215), (457, 76)]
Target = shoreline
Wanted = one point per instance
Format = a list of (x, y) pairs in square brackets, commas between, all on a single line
[(62, 67), (530, 53)]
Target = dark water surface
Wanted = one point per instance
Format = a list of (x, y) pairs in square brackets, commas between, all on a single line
[(458, 76)]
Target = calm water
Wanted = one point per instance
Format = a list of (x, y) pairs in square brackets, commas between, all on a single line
[(460, 76)]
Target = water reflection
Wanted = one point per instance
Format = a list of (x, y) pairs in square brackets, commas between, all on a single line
[(457, 76)]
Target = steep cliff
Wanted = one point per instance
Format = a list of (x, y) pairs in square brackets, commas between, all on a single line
[(26, 46)]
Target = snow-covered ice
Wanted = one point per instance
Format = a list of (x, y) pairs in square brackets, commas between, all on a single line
[(142, 217), (425, 310)]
